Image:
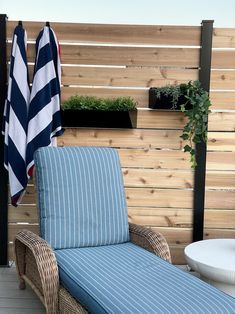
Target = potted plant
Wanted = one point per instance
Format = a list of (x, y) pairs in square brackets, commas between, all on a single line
[(169, 97), (194, 102), (91, 111)]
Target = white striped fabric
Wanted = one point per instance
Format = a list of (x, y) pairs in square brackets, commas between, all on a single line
[(15, 117), (44, 109), (81, 196), (127, 279)]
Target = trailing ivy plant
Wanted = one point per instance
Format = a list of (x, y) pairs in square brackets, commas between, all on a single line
[(195, 131), (79, 102)]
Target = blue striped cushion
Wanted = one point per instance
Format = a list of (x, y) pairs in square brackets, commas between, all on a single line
[(81, 196), (125, 278)]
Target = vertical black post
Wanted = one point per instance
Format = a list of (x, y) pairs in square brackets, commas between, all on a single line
[(201, 148), (3, 172)]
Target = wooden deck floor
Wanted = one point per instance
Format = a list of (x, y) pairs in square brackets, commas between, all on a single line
[(15, 301)]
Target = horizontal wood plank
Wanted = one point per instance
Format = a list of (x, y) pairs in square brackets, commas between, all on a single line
[(220, 180), (223, 38), (147, 197), (115, 33), (221, 121), (220, 161), (220, 199), (129, 76), (130, 56), (223, 59), (222, 100), (122, 56), (129, 138), (222, 79), (13, 229), (157, 178), (157, 119), (215, 233), (23, 213), (222, 219), (158, 159), (161, 217), (221, 141)]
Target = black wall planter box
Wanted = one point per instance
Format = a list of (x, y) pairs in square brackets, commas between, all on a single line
[(164, 102), (99, 119)]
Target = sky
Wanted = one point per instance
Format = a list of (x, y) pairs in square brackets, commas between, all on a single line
[(158, 12)]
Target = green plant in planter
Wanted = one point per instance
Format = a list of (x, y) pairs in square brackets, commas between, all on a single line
[(195, 130), (78, 102), (172, 91)]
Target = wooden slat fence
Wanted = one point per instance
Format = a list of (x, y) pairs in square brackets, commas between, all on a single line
[(220, 176), (125, 60)]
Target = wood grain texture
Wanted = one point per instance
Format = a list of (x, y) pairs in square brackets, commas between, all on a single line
[(161, 217), (222, 100), (129, 138), (220, 199), (130, 56), (215, 233), (222, 79), (220, 161), (223, 38), (220, 180), (158, 159), (157, 178), (221, 141), (24, 213), (115, 33), (222, 59), (126, 76), (122, 56), (159, 197), (222, 219), (221, 121), (157, 119)]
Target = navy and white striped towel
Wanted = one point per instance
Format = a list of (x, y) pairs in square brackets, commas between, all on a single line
[(44, 109), (15, 117)]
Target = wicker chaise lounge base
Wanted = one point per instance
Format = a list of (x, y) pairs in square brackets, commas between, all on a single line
[(37, 266)]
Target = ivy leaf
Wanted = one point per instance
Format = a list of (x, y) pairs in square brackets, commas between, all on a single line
[(187, 148), (185, 136)]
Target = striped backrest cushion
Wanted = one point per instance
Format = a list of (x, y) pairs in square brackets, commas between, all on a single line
[(81, 197)]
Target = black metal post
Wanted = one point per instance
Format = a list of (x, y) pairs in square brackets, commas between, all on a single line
[(201, 148), (3, 172)]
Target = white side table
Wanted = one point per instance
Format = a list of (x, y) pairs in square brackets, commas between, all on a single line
[(214, 260)]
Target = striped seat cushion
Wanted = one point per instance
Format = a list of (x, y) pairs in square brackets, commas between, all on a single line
[(81, 197), (125, 278)]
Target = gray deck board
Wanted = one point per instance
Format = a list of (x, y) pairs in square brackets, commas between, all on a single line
[(15, 301)]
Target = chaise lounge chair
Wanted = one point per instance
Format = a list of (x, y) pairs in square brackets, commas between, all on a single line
[(88, 258)]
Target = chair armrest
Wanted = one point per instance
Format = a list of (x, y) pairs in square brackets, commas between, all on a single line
[(36, 264), (150, 240)]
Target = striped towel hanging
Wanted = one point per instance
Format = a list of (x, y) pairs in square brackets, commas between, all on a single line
[(44, 109), (15, 117)]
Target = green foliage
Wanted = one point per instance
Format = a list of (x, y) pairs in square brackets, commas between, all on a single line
[(78, 102), (172, 91), (195, 130), (196, 109)]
